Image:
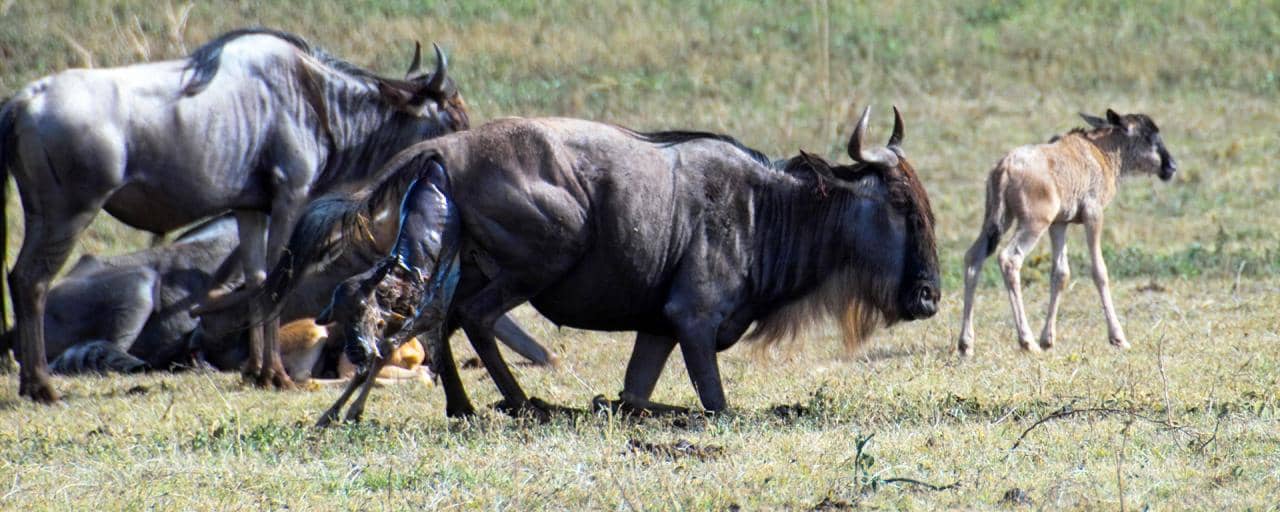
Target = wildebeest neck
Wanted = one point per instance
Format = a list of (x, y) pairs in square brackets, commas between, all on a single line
[(804, 269)]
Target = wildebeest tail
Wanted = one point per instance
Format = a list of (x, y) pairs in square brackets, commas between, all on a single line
[(8, 112), (96, 357), (323, 231), (993, 213)]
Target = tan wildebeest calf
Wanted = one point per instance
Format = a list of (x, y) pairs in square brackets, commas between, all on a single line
[(1045, 187)]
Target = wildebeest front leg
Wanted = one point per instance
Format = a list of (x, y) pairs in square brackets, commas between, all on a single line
[(1011, 258), (1093, 236), (357, 407), (704, 370), (648, 359), (1060, 275)]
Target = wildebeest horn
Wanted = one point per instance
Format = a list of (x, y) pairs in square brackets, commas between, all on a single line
[(859, 132), (860, 154), (415, 66), (895, 140), (441, 73)]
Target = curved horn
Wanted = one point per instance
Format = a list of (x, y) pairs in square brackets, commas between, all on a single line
[(441, 73), (859, 153), (415, 66), (859, 133), (895, 140)]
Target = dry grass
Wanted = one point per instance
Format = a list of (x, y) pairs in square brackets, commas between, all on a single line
[(974, 79)]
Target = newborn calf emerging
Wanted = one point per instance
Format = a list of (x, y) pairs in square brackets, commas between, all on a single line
[(1044, 187)]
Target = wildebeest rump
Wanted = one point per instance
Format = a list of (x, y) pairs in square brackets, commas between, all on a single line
[(688, 238), (1046, 187), (254, 121)]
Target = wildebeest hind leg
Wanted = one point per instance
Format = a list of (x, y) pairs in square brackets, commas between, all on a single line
[(477, 316), (51, 230), (457, 405)]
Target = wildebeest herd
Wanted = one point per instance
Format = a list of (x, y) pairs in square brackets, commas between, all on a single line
[(370, 210)]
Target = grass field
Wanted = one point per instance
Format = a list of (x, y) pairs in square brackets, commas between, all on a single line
[(1187, 419)]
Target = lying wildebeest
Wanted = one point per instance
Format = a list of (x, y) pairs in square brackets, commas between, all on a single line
[(255, 121), (130, 312), (1045, 187), (149, 296), (686, 237)]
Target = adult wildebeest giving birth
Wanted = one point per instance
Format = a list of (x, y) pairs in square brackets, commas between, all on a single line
[(1045, 187), (686, 237), (255, 121)]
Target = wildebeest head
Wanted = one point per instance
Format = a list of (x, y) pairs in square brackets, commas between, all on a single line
[(918, 288), (355, 308), (1143, 149), (430, 95), (879, 227)]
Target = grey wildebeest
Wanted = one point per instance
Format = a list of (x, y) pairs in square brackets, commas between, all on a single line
[(255, 121), (130, 312), (1046, 187), (687, 238)]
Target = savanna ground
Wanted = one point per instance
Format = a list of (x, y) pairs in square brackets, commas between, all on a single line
[(1187, 419)]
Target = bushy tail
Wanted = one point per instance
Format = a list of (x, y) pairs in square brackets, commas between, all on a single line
[(324, 231), (7, 114), (993, 214), (96, 357)]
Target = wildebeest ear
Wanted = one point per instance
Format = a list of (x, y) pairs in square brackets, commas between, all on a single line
[(1114, 118), (394, 93), (1094, 121)]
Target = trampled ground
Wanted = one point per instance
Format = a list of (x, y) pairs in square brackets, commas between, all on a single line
[(1187, 419)]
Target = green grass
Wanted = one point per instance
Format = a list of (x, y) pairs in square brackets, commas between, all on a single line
[(974, 80)]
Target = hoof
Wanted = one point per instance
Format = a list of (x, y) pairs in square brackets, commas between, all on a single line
[(1029, 347), (964, 349), (523, 410), (1046, 345), (42, 393), (460, 412), (326, 420), (1120, 343)]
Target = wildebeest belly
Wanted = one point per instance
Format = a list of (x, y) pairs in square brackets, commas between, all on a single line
[(606, 294)]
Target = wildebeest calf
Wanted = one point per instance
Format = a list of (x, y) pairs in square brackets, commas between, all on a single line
[(1045, 187)]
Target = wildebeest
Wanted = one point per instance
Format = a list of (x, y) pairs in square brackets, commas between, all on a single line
[(130, 312), (255, 121), (1046, 187), (686, 237)]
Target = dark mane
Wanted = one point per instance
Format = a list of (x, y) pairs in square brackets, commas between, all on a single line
[(673, 137), (203, 63)]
